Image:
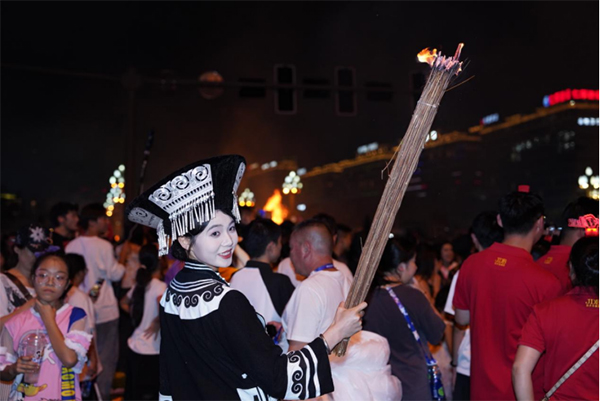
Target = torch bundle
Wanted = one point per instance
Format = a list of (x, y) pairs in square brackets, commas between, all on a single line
[(443, 69)]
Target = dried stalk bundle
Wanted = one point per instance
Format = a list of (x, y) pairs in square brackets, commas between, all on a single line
[(442, 71)]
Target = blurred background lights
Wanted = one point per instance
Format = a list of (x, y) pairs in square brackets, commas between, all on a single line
[(246, 198), (301, 207), (291, 184), (590, 183), (432, 136), (116, 194)]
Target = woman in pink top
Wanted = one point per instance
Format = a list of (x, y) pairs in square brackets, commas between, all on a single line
[(59, 326)]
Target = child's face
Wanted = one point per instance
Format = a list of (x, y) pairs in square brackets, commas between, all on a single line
[(51, 279)]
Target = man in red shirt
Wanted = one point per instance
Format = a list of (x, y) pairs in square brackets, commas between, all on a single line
[(496, 291), (557, 258)]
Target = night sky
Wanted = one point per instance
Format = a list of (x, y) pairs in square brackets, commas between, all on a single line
[(62, 136)]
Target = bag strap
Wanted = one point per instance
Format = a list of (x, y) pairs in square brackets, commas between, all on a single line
[(569, 372), (428, 357), (19, 285)]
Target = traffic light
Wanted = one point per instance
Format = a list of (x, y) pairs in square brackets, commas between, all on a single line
[(285, 98), (345, 97)]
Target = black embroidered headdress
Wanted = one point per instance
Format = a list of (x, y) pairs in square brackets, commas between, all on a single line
[(189, 197)]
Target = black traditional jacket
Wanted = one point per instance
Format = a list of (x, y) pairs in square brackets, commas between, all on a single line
[(215, 347)]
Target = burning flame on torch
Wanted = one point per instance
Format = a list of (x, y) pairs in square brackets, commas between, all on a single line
[(427, 56), (436, 60), (273, 205)]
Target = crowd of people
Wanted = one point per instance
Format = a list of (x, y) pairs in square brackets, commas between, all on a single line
[(207, 301)]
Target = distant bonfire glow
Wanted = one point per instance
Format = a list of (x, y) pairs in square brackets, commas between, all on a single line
[(274, 206)]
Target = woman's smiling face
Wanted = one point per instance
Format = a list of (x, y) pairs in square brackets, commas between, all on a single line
[(214, 246)]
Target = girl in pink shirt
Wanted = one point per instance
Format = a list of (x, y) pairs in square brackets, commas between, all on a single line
[(60, 326)]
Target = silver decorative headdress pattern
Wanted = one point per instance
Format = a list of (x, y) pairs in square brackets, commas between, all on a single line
[(188, 199), (235, 210)]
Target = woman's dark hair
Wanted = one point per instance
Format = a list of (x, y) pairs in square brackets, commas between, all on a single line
[(178, 251), (397, 250), (584, 259), (75, 263), (136, 235), (441, 246), (148, 257), (38, 262), (426, 255)]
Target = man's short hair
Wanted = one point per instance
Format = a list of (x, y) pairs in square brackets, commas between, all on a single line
[(328, 221), (578, 208), (60, 210), (90, 212), (261, 232), (486, 229), (519, 211), (325, 244)]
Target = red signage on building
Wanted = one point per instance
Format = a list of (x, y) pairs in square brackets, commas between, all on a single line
[(570, 94)]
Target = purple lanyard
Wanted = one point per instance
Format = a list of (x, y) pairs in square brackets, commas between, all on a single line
[(327, 266), (428, 357)]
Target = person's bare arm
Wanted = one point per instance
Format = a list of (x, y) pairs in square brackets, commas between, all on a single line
[(66, 355), (462, 317), (296, 345), (154, 327), (93, 359), (124, 303), (436, 283), (525, 361), (17, 311), (458, 334)]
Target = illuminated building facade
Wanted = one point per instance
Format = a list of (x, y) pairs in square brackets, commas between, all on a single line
[(461, 173)]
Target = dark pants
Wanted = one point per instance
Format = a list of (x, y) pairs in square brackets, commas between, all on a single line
[(141, 377), (107, 343), (462, 388)]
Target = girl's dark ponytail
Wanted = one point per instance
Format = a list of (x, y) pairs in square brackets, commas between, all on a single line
[(148, 257), (584, 259)]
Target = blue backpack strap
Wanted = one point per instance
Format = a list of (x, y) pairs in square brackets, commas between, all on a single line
[(76, 314)]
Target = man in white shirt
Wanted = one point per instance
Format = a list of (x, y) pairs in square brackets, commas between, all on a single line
[(287, 267), (103, 268), (312, 307), (268, 292)]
